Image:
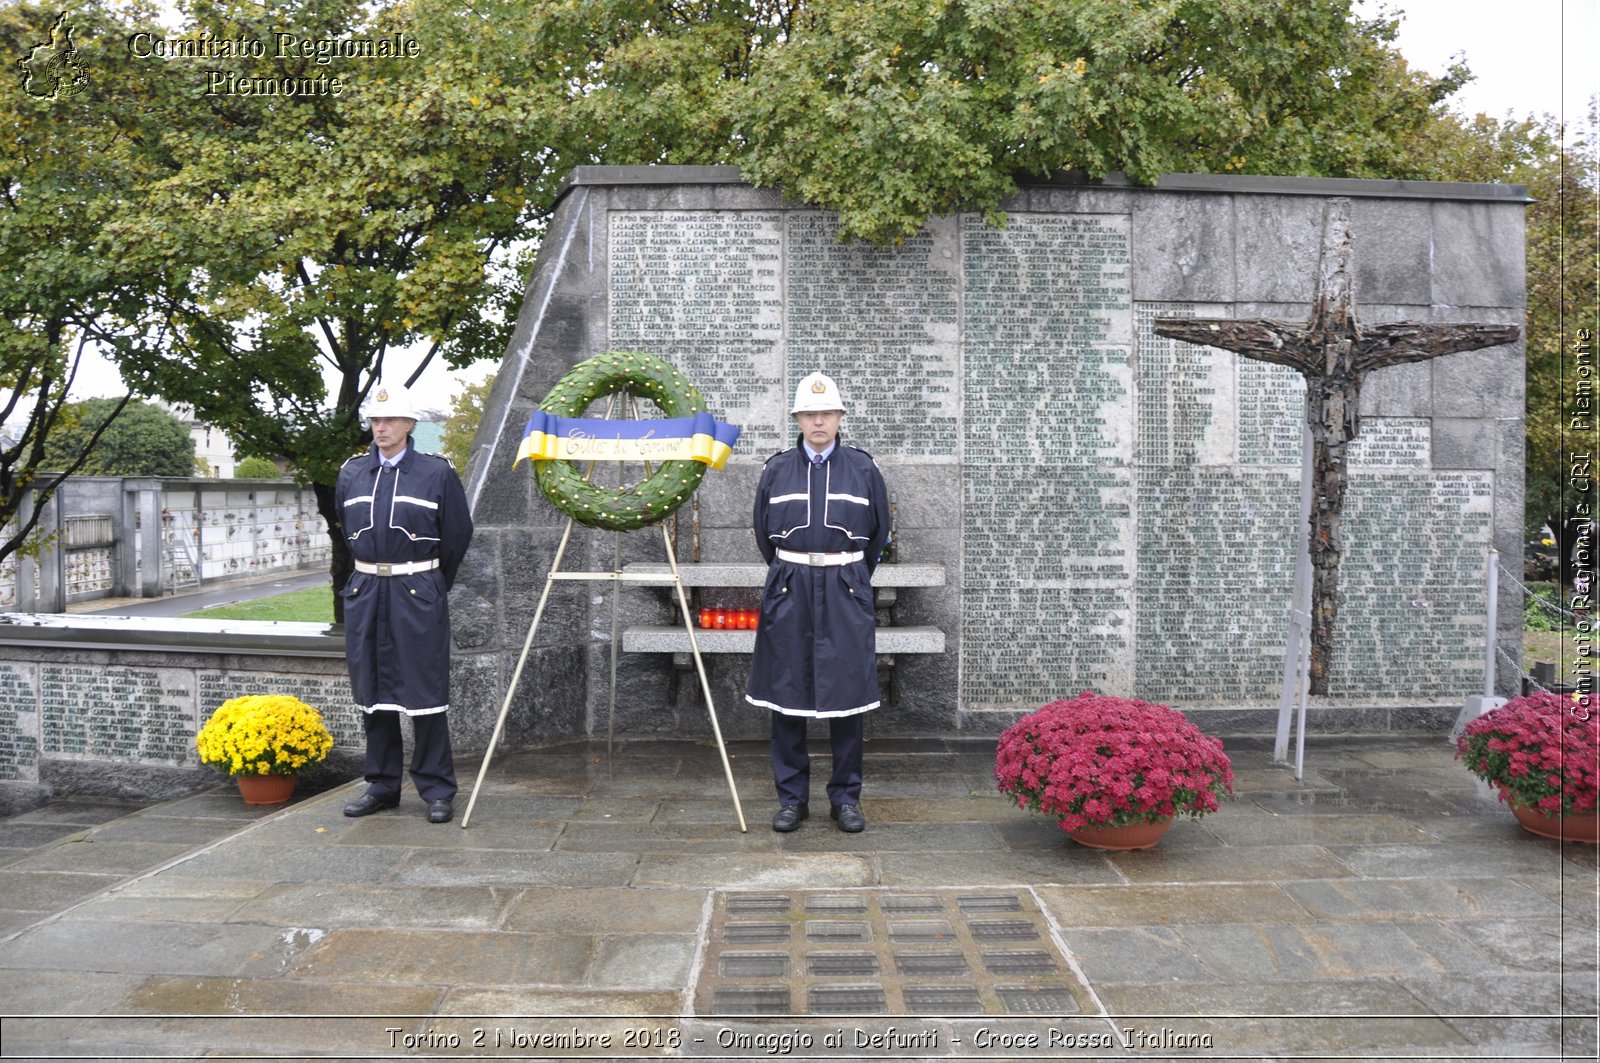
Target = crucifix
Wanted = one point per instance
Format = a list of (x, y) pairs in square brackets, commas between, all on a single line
[(1334, 352)]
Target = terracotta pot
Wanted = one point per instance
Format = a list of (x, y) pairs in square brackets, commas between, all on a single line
[(1132, 836), (266, 789), (1573, 827)]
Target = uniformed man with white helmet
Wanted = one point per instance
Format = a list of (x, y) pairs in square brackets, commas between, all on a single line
[(821, 522), (405, 517)]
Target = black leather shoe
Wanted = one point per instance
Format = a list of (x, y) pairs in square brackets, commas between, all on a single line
[(367, 804), (789, 817), (851, 821), (440, 811)]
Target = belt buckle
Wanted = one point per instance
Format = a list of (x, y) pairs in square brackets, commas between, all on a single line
[(817, 559), (385, 570)]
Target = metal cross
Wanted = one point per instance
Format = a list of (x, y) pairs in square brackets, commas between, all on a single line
[(1334, 352)]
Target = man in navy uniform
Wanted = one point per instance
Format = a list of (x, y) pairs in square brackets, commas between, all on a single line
[(405, 517), (821, 522)]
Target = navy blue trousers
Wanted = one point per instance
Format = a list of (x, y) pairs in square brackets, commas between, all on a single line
[(791, 763), (432, 764)]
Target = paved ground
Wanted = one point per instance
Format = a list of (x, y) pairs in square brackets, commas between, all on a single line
[(1382, 908)]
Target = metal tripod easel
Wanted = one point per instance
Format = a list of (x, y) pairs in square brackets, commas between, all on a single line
[(615, 576)]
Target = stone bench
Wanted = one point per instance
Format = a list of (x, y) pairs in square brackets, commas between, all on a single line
[(887, 579)]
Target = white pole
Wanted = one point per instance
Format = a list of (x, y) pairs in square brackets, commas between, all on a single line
[(1296, 655), (1489, 633)]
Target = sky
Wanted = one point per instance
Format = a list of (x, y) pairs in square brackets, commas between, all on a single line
[(1534, 57)]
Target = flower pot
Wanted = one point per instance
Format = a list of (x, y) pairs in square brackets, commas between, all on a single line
[(266, 789), (1573, 827), (1131, 836)]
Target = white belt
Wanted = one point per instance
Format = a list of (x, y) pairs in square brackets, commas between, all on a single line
[(818, 560), (404, 569)]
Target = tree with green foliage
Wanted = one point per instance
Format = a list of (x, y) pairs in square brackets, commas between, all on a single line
[(73, 157), (1563, 226), (461, 423), (889, 111), (256, 468), (296, 235), (143, 440)]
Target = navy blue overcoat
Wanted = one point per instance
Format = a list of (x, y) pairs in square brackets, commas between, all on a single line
[(397, 628), (815, 652)]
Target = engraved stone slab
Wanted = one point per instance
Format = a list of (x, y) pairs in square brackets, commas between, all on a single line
[(1048, 374), (701, 288), (1187, 395), (19, 721), (885, 321), (142, 714)]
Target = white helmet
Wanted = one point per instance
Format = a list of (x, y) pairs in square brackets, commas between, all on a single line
[(391, 400), (817, 392)]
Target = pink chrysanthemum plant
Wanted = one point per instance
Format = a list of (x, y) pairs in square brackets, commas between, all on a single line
[(1541, 751), (1098, 761)]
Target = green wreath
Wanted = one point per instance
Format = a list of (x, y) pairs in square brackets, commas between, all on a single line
[(659, 494)]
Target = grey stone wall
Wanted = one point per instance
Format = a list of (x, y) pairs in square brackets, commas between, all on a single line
[(111, 705), (1113, 510)]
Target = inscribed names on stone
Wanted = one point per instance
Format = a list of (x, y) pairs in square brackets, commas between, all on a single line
[(703, 289), (884, 323), (1187, 398), (328, 694), (1392, 442), (19, 715), (98, 712), (1215, 574), (1047, 449), (1412, 584), (1272, 413), (1216, 571)]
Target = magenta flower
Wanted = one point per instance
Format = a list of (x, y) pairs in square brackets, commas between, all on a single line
[(1540, 750), (1107, 761)]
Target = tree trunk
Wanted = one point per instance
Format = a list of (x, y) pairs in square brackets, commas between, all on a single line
[(342, 564)]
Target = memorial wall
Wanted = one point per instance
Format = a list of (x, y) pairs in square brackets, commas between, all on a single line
[(1111, 509)]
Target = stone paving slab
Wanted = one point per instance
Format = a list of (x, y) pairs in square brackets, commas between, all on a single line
[(85, 855), (445, 958), (1277, 863), (50, 891), (70, 991), (819, 835), (606, 910), (1453, 898), (1173, 904), (1451, 859), (663, 838), (487, 867), (755, 871), (342, 906), (996, 868), (292, 863), (1359, 829), (158, 948)]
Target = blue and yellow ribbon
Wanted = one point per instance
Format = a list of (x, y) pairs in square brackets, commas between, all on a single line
[(700, 438)]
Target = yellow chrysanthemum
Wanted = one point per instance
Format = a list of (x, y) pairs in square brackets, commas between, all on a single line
[(263, 734)]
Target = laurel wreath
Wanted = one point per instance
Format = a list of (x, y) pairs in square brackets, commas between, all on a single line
[(668, 485)]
